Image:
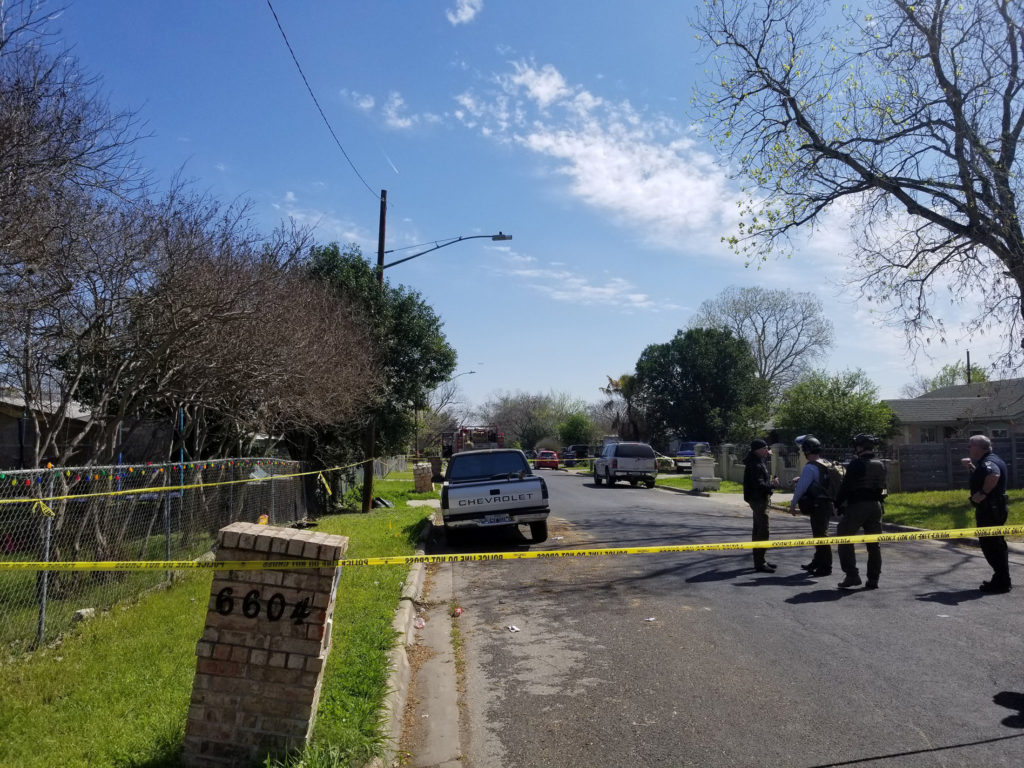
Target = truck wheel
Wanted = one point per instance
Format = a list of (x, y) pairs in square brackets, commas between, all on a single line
[(633, 483), (649, 483), (539, 531), (609, 479), (597, 478)]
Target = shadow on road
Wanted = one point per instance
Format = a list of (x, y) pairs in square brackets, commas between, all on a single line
[(717, 575), (1011, 700), (792, 580), (953, 597), (821, 596), (908, 753)]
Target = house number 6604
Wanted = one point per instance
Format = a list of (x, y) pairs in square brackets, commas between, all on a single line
[(252, 607)]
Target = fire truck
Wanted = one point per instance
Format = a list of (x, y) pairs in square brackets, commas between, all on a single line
[(471, 439)]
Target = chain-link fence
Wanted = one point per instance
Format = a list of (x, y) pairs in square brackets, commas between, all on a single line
[(137, 512)]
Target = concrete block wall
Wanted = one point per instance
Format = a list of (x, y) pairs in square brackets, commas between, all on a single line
[(263, 649)]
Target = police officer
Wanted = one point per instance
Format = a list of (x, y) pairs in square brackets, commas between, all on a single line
[(757, 491), (859, 502), (812, 499), (988, 494)]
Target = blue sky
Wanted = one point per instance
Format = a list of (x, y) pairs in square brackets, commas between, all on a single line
[(565, 124)]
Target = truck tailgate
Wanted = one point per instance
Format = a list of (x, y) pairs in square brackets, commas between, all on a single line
[(494, 501)]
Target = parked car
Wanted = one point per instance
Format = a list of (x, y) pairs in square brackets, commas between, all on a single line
[(493, 488), (530, 454), (575, 452), (548, 459), (635, 462), (685, 453)]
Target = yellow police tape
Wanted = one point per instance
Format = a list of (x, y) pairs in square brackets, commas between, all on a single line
[(274, 565)]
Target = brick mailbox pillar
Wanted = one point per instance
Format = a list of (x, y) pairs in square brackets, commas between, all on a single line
[(262, 653)]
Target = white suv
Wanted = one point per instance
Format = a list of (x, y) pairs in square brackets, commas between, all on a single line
[(635, 462)]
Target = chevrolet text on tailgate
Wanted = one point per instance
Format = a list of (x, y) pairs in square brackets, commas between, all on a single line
[(493, 488)]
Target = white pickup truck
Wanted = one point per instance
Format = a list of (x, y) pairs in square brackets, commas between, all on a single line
[(493, 488), (635, 462)]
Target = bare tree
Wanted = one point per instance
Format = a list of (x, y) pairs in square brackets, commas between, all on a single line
[(909, 114), (786, 331)]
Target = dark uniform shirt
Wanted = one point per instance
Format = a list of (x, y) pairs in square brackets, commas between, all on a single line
[(865, 480), (989, 464), (757, 481)]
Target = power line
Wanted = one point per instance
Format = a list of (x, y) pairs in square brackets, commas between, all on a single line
[(419, 245), (319, 108)]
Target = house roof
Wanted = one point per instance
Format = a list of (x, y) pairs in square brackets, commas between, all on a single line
[(981, 401), (48, 406)]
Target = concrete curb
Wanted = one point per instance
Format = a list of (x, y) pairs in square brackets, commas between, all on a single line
[(704, 494), (398, 660)]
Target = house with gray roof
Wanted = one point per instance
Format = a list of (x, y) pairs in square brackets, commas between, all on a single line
[(993, 408)]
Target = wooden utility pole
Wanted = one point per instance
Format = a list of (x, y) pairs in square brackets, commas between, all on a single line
[(370, 437)]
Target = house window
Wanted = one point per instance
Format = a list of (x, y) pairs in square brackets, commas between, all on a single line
[(1000, 433), (977, 432), (948, 432), (927, 434)]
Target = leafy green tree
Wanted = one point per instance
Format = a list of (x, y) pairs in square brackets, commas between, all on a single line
[(834, 408), (575, 429), (413, 356), (948, 375), (701, 385), (906, 115)]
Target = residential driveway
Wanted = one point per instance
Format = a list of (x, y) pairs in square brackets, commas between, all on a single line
[(694, 659)]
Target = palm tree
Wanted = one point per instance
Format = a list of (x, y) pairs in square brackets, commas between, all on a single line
[(626, 417)]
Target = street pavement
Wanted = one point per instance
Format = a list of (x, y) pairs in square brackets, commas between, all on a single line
[(694, 659)]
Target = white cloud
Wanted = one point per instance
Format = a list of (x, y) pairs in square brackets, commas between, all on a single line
[(464, 11), (645, 170), (363, 101), (545, 85), (220, 167), (289, 197), (562, 285)]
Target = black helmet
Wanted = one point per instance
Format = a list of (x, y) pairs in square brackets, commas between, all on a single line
[(811, 444), (864, 440)]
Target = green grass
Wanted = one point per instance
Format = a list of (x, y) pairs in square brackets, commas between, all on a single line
[(943, 509), (686, 482), (115, 691)]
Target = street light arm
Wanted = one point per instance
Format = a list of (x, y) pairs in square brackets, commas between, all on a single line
[(499, 236)]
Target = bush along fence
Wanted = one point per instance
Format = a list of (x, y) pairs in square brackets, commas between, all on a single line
[(139, 512)]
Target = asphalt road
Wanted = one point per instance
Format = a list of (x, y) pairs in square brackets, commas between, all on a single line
[(737, 668)]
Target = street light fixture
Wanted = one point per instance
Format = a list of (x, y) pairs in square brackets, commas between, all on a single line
[(381, 266), (370, 435)]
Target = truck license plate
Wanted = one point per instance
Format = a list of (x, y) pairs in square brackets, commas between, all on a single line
[(496, 520)]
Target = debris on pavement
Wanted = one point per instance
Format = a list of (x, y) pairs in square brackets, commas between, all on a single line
[(457, 612), (513, 628), (419, 623), (650, 619)]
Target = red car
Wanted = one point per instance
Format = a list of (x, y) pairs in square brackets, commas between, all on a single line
[(547, 459)]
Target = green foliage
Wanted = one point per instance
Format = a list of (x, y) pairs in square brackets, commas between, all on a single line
[(940, 510), (529, 418), (411, 350), (701, 385), (834, 407), (576, 428)]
